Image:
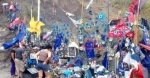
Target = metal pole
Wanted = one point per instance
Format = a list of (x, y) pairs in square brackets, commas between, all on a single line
[(38, 17), (32, 9)]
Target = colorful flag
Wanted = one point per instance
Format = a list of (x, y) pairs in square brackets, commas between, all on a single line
[(47, 35), (133, 59), (15, 23)]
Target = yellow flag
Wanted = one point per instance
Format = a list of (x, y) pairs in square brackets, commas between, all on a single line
[(32, 27), (39, 24), (32, 23), (35, 26), (38, 32)]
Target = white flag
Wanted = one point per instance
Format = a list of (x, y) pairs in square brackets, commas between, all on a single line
[(91, 1)]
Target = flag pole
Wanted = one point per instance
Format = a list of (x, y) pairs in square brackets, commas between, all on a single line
[(32, 9), (38, 17)]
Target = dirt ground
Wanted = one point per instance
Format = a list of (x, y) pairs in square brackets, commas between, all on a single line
[(4, 70)]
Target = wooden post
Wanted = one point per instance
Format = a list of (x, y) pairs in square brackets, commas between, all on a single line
[(136, 27)]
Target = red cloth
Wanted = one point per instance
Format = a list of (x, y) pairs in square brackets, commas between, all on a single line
[(137, 73)]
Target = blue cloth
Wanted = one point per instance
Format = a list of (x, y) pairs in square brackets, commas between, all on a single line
[(105, 60), (78, 62), (146, 61), (89, 48), (13, 68), (31, 62)]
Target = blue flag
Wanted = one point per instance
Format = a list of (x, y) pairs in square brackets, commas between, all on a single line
[(17, 39), (58, 41), (105, 60), (89, 48)]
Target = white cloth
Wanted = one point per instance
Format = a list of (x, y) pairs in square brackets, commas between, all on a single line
[(32, 56)]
